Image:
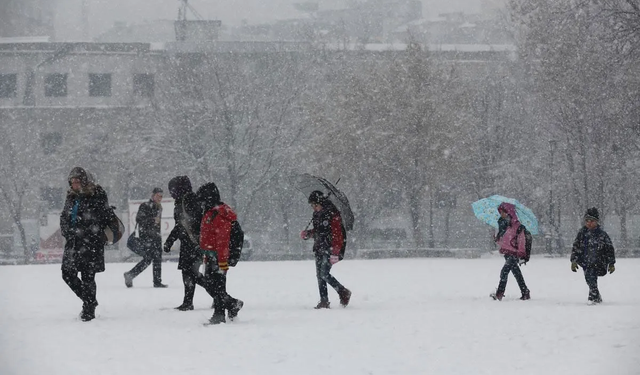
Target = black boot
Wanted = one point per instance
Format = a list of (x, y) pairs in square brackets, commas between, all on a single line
[(88, 311), (323, 305), (594, 297), (234, 309), (185, 307), (217, 319)]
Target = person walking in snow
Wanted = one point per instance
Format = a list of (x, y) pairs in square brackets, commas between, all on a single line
[(148, 220), (187, 214), (330, 238), (512, 246), (593, 251), (215, 234), (83, 219)]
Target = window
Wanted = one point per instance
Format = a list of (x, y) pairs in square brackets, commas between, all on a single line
[(52, 196), (143, 85), (8, 85), (55, 84), (50, 142), (99, 84)]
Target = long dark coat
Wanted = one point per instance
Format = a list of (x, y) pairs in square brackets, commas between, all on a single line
[(84, 230), (187, 214), (148, 227), (593, 249)]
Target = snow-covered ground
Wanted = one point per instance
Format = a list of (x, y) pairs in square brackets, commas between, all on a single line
[(407, 316)]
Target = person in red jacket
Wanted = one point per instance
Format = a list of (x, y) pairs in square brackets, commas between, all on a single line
[(329, 238), (215, 233)]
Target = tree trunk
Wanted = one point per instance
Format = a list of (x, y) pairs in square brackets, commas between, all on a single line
[(414, 209)]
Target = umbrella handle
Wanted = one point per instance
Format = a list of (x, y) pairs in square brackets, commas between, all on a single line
[(307, 227)]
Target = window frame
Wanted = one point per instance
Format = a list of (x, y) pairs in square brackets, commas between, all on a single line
[(144, 85), (97, 85), (6, 85), (51, 80)]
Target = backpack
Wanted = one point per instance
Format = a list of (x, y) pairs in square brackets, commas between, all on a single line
[(115, 229), (527, 243), (236, 241)]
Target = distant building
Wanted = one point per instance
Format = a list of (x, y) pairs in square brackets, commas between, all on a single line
[(76, 102), (27, 18)]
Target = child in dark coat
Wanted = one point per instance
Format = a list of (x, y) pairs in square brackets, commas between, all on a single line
[(593, 251)]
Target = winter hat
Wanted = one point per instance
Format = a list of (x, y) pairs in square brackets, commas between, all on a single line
[(209, 195), (592, 214), (80, 174), (317, 197), (157, 190), (510, 209), (179, 186)]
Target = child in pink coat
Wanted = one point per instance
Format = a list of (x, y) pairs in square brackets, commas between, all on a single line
[(512, 246)]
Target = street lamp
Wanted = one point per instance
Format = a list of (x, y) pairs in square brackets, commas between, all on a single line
[(550, 234)]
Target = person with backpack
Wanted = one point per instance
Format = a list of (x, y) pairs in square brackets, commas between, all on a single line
[(513, 246), (187, 214), (215, 238), (83, 220), (148, 219), (593, 251), (330, 239)]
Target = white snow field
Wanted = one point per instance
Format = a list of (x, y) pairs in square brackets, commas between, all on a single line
[(407, 316)]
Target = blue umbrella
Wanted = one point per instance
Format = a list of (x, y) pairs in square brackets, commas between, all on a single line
[(486, 210)]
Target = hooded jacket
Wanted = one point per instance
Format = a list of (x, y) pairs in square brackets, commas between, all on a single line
[(215, 233), (508, 241), (187, 215), (83, 219)]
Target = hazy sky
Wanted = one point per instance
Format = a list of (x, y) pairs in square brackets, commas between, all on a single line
[(103, 13)]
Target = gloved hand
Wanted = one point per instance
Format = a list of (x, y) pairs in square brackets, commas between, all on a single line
[(612, 268), (304, 235), (167, 248), (574, 266), (334, 259)]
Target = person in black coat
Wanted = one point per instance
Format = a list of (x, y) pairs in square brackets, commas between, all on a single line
[(148, 219), (187, 213), (329, 243), (85, 216), (593, 251)]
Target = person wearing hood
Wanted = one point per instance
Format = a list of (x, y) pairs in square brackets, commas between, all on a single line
[(85, 216), (215, 234), (593, 251), (187, 214), (330, 238), (148, 219), (512, 246)]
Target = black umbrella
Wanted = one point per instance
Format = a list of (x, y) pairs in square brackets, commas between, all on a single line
[(307, 183)]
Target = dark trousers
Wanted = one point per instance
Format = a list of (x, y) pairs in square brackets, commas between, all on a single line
[(217, 281), (511, 265), (84, 288), (190, 278), (591, 277), (323, 274), (151, 255)]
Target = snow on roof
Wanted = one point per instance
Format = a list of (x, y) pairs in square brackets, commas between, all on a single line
[(26, 39), (443, 47)]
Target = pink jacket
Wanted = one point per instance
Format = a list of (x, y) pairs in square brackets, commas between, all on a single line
[(507, 241)]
